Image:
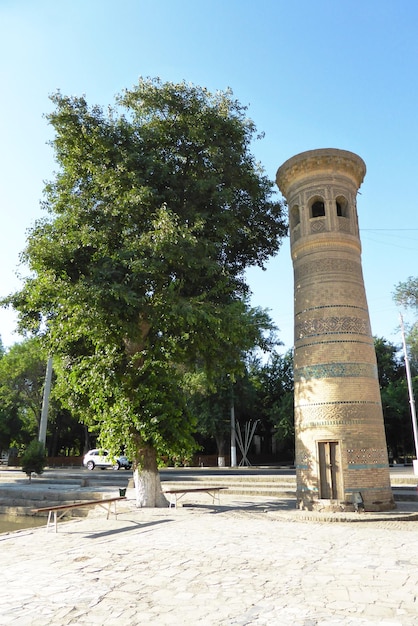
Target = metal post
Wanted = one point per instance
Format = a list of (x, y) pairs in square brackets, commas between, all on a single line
[(410, 389), (233, 432), (45, 403)]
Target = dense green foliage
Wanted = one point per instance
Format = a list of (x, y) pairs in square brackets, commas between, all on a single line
[(395, 400), (22, 375), (137, 276), (263, 393), (22, 379), (34, 459)]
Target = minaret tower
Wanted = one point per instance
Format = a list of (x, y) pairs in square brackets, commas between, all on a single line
[(341, 454)]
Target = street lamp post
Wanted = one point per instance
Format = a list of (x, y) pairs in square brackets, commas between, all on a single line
[(411, 397)]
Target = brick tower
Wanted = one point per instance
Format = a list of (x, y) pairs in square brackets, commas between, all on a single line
[(341, 455)]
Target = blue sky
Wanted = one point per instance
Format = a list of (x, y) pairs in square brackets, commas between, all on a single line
[(315, 74)]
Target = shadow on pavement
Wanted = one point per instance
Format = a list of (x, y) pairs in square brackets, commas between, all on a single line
[(263, 506), (124, 529)]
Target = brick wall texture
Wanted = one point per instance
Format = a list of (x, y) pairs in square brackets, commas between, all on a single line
[(340, 440)]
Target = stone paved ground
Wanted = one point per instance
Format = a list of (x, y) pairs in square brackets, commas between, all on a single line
[(242, 563)]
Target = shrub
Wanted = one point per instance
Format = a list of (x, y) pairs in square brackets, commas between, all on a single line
[(33, 459)]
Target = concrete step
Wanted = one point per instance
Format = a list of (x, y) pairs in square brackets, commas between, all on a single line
[(223, 479), (39, 495), (405, 494), (57, 487), (270, 489), (404, 480), (80, 478), (12, 511)]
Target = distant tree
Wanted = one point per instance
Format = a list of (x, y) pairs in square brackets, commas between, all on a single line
[(390, 365), (22, 376), (274, 385), (406, 295), (138, 276), (212, 407), (212, 402), (263, 393), (22, 379), (395, 401)]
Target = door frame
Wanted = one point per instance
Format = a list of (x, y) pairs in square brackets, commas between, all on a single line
[(330, 479)]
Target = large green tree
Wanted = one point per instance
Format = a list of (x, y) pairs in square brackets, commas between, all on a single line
[(138, 273)]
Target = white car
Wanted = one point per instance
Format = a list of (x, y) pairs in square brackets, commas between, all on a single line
[(101, 458)]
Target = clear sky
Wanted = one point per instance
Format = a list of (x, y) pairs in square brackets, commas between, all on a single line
[(315, 74)]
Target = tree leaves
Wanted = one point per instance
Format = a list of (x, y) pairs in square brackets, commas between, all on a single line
[(137, 273)]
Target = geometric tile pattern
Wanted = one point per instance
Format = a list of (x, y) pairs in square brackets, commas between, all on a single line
[(367, 456), (332, 325), (351, 342), (344, 225), (333, 306), (318, 226), (339, 413), (335, 370), (327, 266)]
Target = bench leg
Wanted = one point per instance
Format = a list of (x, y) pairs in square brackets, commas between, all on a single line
[(53, 521), (215, 497), (109, 510)]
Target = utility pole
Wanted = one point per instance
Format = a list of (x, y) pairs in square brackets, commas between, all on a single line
[(233, 433), (45, 402), (411, 396)]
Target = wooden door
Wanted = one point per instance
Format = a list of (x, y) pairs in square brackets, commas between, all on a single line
[(329, 470)]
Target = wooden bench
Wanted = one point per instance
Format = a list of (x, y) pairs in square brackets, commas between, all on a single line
[(63, 508), (176, 494)]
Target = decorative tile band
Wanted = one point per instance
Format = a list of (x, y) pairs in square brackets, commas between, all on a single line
[(336, 403), (332, 306), (328, 414), (327, 266), (335, 370), (370, 466), (365, 458), (332, 325), (330, 341)]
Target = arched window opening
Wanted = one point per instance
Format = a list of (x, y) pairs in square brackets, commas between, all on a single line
[(318, 209), (294, 216), (341, 206)]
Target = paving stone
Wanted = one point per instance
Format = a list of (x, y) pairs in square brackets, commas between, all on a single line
[(238, 566)]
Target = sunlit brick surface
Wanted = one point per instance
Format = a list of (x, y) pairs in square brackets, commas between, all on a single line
[(340, 440)]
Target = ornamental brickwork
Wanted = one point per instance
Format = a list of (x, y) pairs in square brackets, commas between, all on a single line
[(341, 454)]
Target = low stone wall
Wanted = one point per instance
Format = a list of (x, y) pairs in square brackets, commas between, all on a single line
[(65, 461)]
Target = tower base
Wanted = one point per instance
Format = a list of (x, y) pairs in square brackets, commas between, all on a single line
[(354, 502)]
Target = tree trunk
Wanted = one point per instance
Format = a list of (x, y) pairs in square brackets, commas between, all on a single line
[(147, 479), (220, 443)]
